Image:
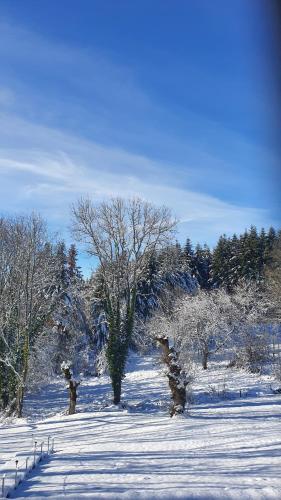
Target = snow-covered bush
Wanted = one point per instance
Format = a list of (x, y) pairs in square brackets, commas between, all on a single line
[(251, 334), (204, 323), (251, 351)]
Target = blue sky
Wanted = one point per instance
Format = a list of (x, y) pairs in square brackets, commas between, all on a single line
[(174, 101)]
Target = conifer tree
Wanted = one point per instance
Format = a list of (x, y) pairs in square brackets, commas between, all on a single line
[(74, 271), (252, 255), (220, 266), (189, 258)]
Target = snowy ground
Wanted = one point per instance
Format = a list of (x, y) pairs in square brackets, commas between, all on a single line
[(226, 447)]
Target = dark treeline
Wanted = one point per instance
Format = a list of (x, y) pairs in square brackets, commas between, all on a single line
[(233, 259)]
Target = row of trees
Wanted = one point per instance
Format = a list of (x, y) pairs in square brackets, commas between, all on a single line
[(41, 318), (50, 319), (237, 321), (204, 324), (232, 259), (213, 312), (243, 257)]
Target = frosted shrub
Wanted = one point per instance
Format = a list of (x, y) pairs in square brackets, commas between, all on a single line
[(253, 352)]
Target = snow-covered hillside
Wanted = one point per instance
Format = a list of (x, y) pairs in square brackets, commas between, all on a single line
[(226, 446)]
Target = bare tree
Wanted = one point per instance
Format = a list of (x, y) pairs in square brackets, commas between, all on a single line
[(122, 235), (27, 297)]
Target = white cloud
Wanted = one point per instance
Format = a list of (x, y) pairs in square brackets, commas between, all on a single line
[(66, 167)]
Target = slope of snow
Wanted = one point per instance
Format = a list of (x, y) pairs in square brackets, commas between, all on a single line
[(226, 447)]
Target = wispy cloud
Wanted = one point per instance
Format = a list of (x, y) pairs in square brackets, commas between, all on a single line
[(68, 167), (78, 74), (53, 148)]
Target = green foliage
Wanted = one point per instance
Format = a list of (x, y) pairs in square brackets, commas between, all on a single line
[(120, 334)]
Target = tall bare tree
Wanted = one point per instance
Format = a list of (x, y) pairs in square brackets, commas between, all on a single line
[(122, 235), (27, 297)]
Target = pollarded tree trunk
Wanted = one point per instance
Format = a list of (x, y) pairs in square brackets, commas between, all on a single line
[(72, 388), (177, 380)]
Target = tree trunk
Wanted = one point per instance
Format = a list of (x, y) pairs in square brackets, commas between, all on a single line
[(72, 397), (116, 386), (118, 343), (205, 360), (5, 399), (72, 388), (22, 383), (116, 354), (176, 384), (19, 401)]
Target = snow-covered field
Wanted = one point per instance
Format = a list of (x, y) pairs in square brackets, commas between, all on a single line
[(227, 446)]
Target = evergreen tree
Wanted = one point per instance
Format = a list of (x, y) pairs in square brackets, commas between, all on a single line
[(74, 271), (270, 239), (251, 255), (221, 263), (234, 273), (149, 287), (189, 258), (202, 263)]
